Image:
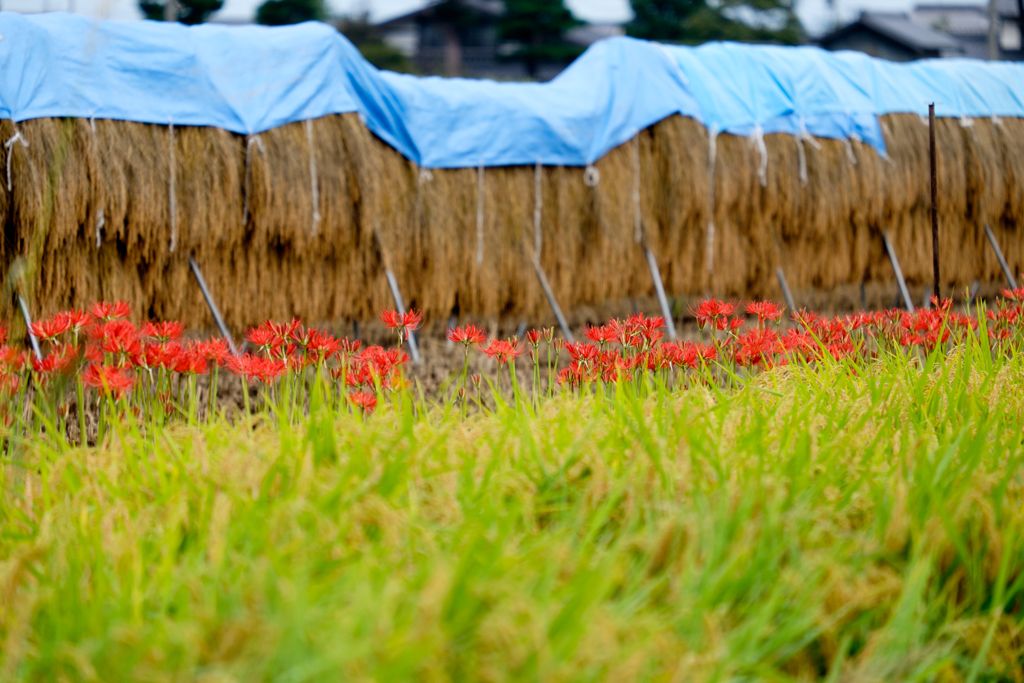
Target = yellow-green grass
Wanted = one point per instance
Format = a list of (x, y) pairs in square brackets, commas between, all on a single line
[(817, 523)]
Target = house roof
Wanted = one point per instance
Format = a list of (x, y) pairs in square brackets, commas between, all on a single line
[(1007, 9), (494, 8), (899, 27)]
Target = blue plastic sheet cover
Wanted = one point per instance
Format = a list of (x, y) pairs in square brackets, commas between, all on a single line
[(249, 79)]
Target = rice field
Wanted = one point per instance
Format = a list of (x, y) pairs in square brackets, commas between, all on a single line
[(830, 499)]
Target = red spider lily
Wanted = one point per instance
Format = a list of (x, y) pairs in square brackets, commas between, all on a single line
[(151, 356), (321, 346), (192, 361), (78, 320), (857, 321), (163, 331), (266, 337), (366, 401), (265, 370), (215, 351), (382, 362), (765, 310), (12, 360), (468, 335), (117, 337), (682, 354), (504, 351), (614, 366), (731, 324), (582, 353), (360, 374), (534, 337), (604, 334), (405, 323), (9, 384), (709, 311), (757, 346), (3, 333), (706, 352), (109, 380), (58, 361), (805, 318), (1014, 294), (104, 310), (48, 330)]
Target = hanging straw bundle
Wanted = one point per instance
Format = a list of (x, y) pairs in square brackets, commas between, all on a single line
[(303, 220)]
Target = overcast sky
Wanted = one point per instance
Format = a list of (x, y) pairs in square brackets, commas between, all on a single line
[(814, 13)]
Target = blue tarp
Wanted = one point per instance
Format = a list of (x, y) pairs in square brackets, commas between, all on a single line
[(249, 79)]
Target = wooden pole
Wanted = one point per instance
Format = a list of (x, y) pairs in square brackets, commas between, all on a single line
[(935, 201)]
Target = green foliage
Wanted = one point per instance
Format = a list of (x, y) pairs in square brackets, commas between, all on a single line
[(698, 21), (539, 27), (283, 12), (363, 35), (189, 11), (818, 523)]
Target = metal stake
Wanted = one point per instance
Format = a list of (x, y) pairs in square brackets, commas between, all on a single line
[(453, 322), (396, 294), (217, 317), (659, 287), (28, 326), (899, 273), (1002, 259), (521, 330), (786, 294), (546, 286)]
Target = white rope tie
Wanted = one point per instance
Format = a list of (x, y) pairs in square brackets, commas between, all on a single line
[(173, 207), (314, 187), (637, 218), (538, 208), (480, 213), (101, 219), (850, 156), (966, 122), (801, 139), (425, 176), (802, 156), (712, 154), (757, 139), (9, 145), (257, 142), (591, 176), (996, 121), (924, 119)]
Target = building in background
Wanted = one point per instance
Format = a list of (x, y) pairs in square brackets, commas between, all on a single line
[(462, 38), (894, 36), (969, 25), (932, 31)]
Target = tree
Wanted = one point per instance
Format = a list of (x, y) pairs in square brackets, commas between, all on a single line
[(363, 35), (188, 11), (281, 12), (698, 21), (539, 27)]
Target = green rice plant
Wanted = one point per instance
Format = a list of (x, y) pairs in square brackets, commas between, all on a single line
[(841, 520)]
